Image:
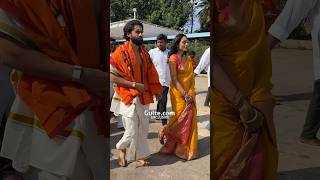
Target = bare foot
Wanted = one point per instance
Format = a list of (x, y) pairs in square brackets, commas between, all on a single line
[(313, 141), (143, 162), (122, 158)]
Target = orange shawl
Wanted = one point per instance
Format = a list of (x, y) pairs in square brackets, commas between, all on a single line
[(126, 64), (56, 104)]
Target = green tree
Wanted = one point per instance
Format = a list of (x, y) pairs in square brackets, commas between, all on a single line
[(204, 15), (122, 9), (168, 13)]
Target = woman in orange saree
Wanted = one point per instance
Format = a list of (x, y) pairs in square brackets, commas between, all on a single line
[(180, 136), (244, 143)]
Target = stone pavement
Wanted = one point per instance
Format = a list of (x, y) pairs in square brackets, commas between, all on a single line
[(293, 83), (168, 167)]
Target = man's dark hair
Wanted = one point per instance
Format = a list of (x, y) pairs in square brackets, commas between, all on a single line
[(129, 27), (162, 37)]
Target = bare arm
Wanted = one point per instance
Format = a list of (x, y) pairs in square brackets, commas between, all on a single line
[(125, 83), (174, 78), (37, 64), (32, 62), (120, 81), (222, 81), (173, 73)]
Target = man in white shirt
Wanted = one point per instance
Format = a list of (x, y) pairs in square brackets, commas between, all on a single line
[(204, 64), (159, 56), (292, 14)]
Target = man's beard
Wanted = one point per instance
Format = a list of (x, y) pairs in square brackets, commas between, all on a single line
[(137, 41)]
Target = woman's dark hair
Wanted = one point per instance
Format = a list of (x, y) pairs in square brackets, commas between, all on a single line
[(129, 27), (175, 45)]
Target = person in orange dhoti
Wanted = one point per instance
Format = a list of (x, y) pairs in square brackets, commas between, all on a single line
[(57, 125), (137, 81)]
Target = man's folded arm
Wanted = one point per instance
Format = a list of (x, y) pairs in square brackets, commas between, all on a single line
[(33, 62)]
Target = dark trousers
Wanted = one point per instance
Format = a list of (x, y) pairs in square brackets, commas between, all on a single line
[(312, 123), (162, 104), (207, 101)]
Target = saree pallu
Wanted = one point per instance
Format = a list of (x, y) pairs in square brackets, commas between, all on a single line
[(181, 134), (246, 58)]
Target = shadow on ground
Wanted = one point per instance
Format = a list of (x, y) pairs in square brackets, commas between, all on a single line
[(294, 97), (300, 174), (161, 160)]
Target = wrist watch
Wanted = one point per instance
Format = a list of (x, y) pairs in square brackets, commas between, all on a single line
[(76, 72), (134, 84)]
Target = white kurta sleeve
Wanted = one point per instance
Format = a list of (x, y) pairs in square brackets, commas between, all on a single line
[(204, 62), (290, 17)]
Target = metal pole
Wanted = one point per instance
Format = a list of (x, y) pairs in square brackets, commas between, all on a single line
[(134, 13), (192, 16)]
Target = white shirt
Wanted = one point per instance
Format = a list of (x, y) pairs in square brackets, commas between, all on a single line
[(292, 14), (160, 60), (204, 63)]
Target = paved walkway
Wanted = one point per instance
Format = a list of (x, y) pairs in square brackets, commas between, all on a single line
[(166, 167)]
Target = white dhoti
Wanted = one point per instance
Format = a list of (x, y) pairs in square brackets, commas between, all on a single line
[(78, 154), (136, 124)]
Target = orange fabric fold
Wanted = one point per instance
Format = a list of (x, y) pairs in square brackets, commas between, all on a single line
[(125, 62), (75, 41)]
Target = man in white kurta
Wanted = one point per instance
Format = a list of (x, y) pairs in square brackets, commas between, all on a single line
[(204, 64), (292, 14), (137, 81)]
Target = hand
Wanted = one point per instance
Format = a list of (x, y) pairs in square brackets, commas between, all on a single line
[(251, 118), (158, 97), (272, 41), (140, 87), (95, 81), (188, 98)]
